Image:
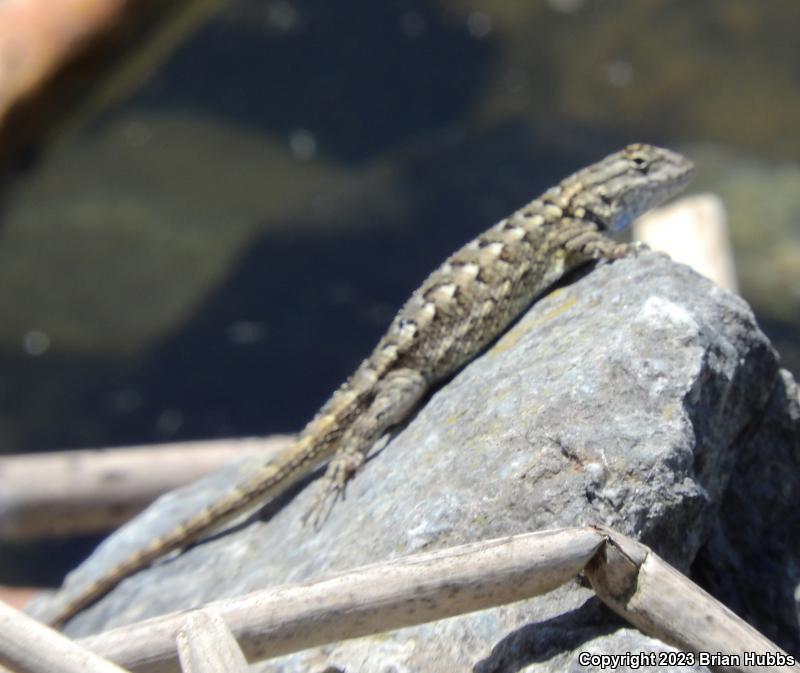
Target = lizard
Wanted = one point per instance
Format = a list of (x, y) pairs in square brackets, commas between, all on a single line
[(464, 305)]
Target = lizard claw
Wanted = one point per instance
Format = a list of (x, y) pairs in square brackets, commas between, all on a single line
[(322, 507), (639, 247), (620, 251), (340, 470), (632, 249)]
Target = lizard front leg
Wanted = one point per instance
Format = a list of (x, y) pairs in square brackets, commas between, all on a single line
[(396, 396), (586, 239)]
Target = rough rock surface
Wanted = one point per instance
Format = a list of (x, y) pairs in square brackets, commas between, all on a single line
[(638, 395)]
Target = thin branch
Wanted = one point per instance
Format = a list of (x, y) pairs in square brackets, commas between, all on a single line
[(425, 587), (69, 492), (661, 602), (371, 599), (27, 646), (206, 645), (694, 231)]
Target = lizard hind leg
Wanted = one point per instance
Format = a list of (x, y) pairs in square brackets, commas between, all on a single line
[(396, 396)]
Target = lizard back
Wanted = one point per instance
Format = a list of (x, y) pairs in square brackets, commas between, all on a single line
[(481, 288)]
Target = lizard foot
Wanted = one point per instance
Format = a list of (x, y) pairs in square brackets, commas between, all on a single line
[(632, 249), (588, 241), (610, 253), (340, 470)]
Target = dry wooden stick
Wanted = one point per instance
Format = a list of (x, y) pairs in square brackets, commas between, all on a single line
[(693, 231), (206, 645), (69, 492), (425, 587), (371, 599), (27, 646), (661, 602)]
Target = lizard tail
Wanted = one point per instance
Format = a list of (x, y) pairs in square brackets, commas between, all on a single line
[(314, 445), (263, 484)]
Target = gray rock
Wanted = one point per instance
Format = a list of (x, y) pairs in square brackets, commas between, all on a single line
[(639, 396)]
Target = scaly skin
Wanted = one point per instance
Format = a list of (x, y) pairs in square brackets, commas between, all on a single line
[(460, 308)]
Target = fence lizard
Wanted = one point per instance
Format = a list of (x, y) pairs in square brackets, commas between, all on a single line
[(460, 308)]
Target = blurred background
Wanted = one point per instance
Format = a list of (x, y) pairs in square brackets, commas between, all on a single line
[(211, 209)]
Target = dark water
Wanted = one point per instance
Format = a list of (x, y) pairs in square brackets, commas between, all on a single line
[(213, 253)]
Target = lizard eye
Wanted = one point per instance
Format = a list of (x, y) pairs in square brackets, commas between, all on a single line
[(640, 163)]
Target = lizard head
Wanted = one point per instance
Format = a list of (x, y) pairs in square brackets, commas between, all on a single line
[(624, 185)]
